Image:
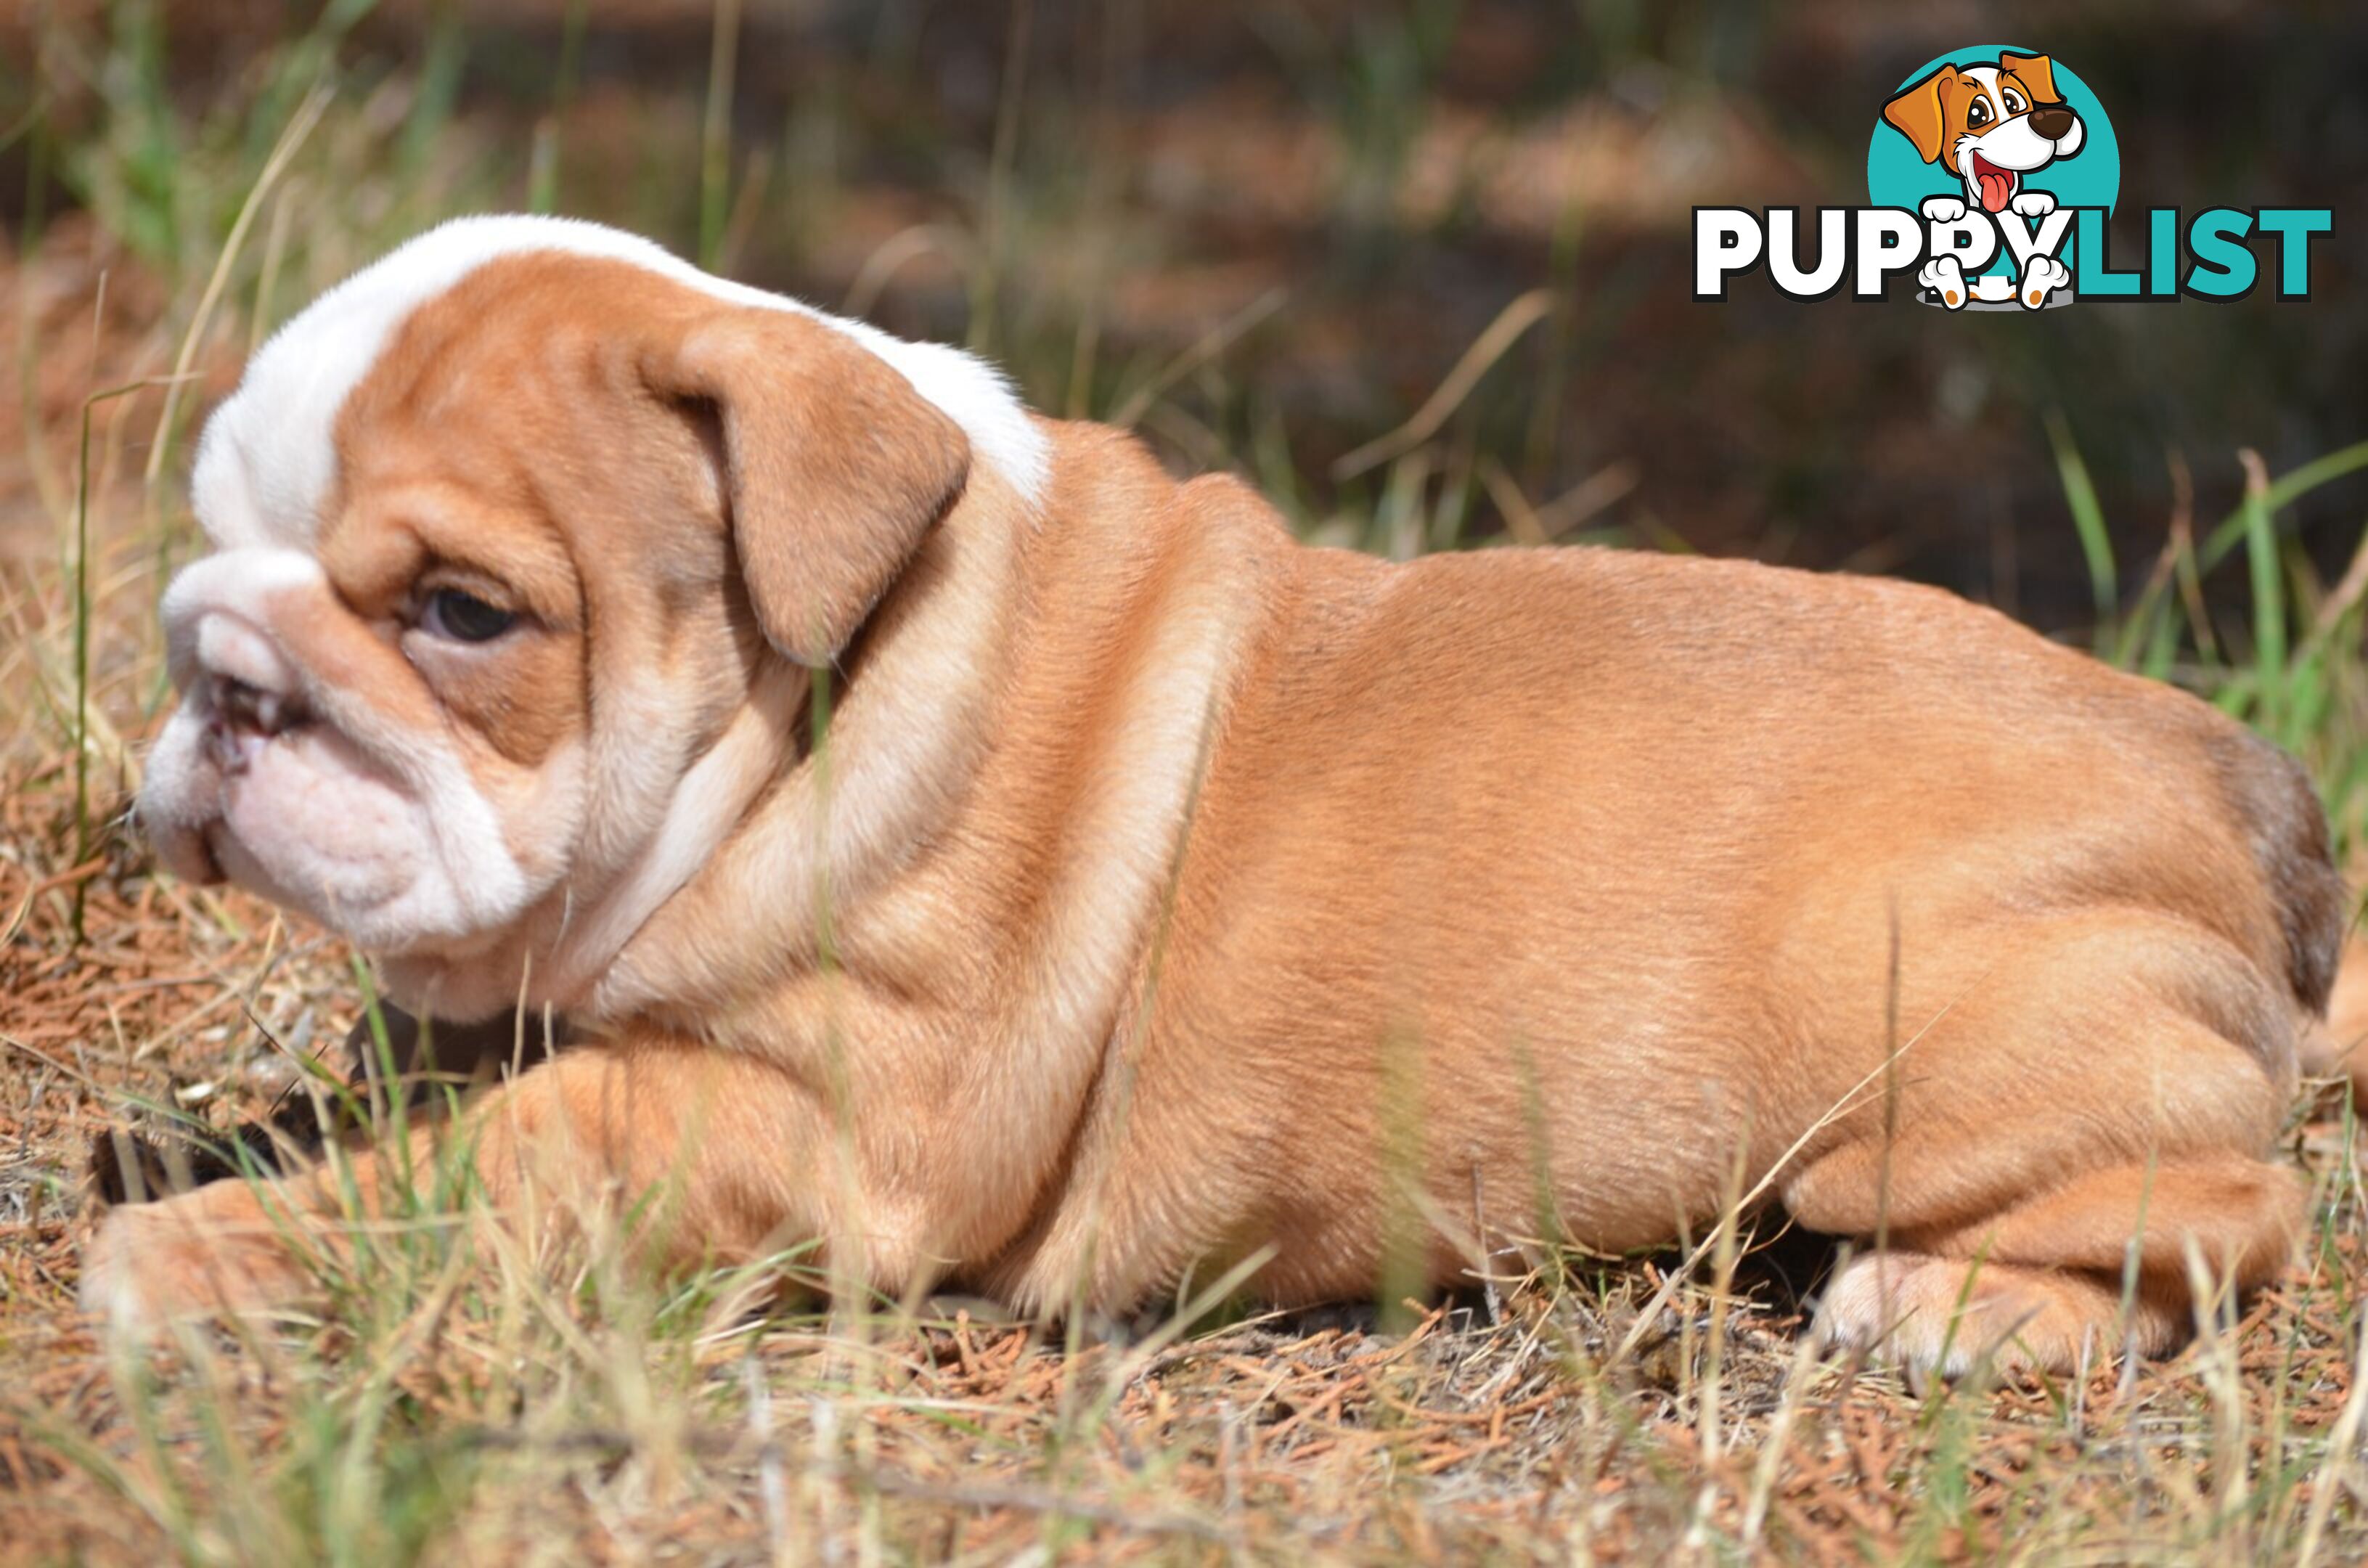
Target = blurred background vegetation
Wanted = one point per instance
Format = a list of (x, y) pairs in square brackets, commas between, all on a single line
[(1267, 233)]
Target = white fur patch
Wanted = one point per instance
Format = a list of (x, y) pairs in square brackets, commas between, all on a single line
[(238, 580), (1985, 78), (376, 831), (266, 461), (699, 811)]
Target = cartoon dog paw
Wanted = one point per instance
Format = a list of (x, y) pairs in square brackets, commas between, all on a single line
[(2034, 204), (1945, 278), (2041, 277), (1943, 209)]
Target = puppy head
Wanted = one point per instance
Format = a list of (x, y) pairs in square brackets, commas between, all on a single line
[(523, 540), (1988, 124)]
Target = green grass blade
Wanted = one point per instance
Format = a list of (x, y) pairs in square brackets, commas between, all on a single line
[(2282, 491), (2088, 517), (2267, 572)]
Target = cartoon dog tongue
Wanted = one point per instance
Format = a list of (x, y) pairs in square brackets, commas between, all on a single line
[(1997, 184)]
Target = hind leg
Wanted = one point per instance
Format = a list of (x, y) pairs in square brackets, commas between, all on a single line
[(2102, 1107), (2033, 1285), (2340, 1048)]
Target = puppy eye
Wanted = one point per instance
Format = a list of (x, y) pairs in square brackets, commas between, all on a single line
[(464, 618), (2014, 104), (1979, 114)]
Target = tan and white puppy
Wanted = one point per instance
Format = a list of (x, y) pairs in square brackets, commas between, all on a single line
[(1163, 894)]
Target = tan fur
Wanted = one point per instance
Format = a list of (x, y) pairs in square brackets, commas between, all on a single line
[(1165, 891), (2339, 1050)]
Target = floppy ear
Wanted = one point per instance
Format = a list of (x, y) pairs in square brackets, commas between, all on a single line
[(1916, 113), (2036, 71), (834, 467)]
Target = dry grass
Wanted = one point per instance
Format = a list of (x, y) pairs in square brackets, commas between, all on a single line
[(467, 1402)]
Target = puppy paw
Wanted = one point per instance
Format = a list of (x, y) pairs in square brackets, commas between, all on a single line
[(195, 1255), (1945, 1316), (1943, 209), (2040, 277), (2034, 204), (1946, 279), (1922, 1314)]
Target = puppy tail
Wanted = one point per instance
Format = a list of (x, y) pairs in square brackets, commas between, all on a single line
[(2274, 798), (2326, 953), (2326, 960)]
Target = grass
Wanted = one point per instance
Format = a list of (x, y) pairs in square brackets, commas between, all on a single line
[(467, 1399)]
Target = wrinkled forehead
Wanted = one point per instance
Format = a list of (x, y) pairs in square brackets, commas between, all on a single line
[(268, 464)]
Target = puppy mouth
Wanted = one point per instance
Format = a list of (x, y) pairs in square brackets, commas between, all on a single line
[(245, 720), (1997, 184)]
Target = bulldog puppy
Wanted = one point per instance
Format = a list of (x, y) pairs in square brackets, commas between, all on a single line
[(1162, 894)]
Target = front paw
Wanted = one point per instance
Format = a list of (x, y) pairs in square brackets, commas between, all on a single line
[(1946, 279), (2034, 204), (1943, 209), (208, 1253), (2040, 277)]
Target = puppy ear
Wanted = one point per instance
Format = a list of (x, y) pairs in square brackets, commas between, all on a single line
[(1918, 113), (2036, 73), (834, 467)]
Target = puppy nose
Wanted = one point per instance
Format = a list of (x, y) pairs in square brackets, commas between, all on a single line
[(2051, 120), (250, 709)]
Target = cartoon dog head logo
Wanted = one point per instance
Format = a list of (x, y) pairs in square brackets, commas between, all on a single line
[(1995, 146), (1989, 125), (1991, 174)]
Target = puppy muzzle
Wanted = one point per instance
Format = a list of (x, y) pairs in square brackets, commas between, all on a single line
[(291, 767), (242, 718)]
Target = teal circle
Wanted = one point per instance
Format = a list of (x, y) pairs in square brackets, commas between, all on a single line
[(1895, 177)]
